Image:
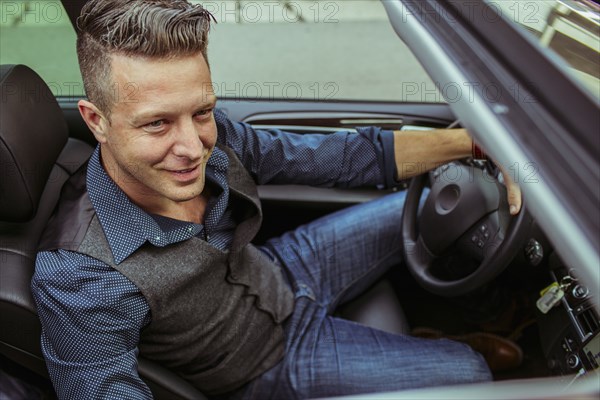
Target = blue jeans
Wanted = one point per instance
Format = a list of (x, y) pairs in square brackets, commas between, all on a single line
[(328, 262)]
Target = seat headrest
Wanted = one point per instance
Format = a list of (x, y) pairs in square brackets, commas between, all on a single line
[(33, 132)]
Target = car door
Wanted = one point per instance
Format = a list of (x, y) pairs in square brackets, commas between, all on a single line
[(523, 78)]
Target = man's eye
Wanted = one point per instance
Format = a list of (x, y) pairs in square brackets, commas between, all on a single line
[(204, 113), (156, 124)]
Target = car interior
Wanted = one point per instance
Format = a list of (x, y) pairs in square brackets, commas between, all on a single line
[(34, 176), (43, 141)]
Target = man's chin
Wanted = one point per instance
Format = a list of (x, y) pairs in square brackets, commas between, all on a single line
[(180, 196)]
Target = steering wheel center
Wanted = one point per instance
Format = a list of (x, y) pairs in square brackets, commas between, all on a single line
[(448, 199)]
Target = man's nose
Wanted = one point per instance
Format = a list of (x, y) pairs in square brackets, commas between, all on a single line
[(188, 142)]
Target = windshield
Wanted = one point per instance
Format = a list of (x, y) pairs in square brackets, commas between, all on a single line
[(569, 28)]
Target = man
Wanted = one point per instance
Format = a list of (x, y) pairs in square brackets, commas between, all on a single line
[(149, 250)]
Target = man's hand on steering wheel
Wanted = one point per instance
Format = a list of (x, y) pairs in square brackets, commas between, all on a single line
[(466, 215), (513, 190), (417, 152)]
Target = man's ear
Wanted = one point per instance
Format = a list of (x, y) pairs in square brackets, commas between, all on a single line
[(94, 119)]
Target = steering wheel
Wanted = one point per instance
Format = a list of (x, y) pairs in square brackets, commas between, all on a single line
[(465, 216)]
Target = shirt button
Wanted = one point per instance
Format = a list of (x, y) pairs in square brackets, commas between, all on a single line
[(207, 237), (157, 238)]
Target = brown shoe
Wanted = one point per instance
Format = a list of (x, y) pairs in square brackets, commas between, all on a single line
[(500, 354)]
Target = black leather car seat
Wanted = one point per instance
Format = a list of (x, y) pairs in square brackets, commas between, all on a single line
[(37, 157)]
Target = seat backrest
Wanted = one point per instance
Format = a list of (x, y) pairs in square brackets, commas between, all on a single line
[(37, 157), (33, 136)]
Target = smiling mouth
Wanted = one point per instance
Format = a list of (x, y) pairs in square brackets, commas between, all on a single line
[(184, 171), (185, 175)]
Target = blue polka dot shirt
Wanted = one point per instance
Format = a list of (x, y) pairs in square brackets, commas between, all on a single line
[(92, 315)]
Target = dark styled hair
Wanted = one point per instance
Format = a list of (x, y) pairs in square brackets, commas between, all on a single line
[(155, 29)]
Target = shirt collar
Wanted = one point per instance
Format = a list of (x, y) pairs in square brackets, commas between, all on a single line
[(126, 226)]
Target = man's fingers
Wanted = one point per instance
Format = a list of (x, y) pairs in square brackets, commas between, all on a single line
[(514, 193), (514, 197)]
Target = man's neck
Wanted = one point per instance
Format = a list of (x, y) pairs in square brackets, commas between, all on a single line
[(189, 211)]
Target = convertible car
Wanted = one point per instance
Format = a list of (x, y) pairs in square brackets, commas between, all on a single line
[(522, 76)]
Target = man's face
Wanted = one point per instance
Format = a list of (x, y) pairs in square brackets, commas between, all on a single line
[(162, 129)]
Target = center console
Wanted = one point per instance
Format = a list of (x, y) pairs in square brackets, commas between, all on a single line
[(570, 332)]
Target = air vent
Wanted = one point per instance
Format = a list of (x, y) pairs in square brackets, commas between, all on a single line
[(588, 320)]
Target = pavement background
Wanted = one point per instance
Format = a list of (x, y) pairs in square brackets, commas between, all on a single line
[(311, 49)]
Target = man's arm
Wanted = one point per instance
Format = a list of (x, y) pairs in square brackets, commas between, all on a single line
[(91, 317), (341, 159), (417, 152)]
